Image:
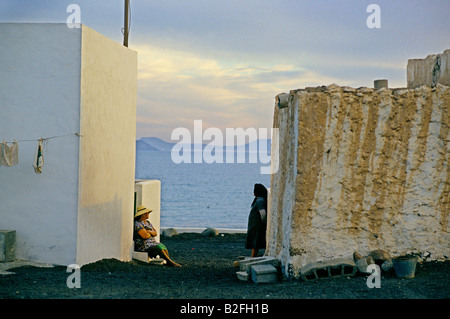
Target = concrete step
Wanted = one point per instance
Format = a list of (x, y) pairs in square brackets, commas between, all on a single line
[(244, 265), (260, 269), (140, 255)]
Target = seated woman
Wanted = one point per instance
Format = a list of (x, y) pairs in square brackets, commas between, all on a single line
[(144, 237)]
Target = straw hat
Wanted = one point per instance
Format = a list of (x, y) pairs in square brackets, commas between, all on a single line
[(142, 210)]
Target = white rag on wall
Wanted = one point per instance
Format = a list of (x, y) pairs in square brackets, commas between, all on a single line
[(39, 160), (9, 154)]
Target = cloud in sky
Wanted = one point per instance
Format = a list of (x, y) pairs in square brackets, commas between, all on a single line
[(224, 61), (184, 86)]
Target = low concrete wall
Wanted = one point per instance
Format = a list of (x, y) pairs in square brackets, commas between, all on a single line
[(148, 193)]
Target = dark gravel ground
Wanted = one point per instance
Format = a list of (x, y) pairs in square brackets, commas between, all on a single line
[(208, 273)]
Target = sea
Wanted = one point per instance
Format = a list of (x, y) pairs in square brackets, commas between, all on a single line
[(202, 195)]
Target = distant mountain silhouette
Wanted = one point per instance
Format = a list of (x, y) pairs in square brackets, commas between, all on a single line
[(157, 144), (142, 145)]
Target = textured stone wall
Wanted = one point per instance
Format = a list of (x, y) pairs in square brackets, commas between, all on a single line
[(432, 70), (360, 169)]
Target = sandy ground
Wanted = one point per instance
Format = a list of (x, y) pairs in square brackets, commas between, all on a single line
[(208, 274)]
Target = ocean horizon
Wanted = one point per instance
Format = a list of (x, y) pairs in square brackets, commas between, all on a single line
[(200, 195)]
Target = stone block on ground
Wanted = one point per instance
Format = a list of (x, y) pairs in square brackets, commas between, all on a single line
[(387, 265), (169, 232), (264, 273), (7, 245), (363, 263), (140, 255), (380, 256), (330, 268), (244, 265), (210, 232), (242, 275)]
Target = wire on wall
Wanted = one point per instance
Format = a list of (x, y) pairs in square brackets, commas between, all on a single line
[(9, 154), (43, 138)]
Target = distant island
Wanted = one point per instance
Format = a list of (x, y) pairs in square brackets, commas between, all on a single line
[(153, 144), (157, 144)]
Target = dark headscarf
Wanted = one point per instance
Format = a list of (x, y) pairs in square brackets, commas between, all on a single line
[(260, 191)]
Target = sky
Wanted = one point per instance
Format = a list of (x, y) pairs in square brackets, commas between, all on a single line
[(224, 61)]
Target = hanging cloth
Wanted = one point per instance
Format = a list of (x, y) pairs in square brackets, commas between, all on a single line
[(9, 154), (39, 160)]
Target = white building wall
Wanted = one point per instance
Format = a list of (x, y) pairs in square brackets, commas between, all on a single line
[(107, 149), (40, 97), (56, 82)]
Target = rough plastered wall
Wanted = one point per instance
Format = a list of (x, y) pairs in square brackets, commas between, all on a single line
[(434, 69), (283, 182), (360, 169)]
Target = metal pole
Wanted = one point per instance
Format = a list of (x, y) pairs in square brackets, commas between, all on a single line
[(126, 17)]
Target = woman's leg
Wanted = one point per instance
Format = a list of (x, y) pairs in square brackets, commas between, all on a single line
[(255, 252), (170, 262), (161, 250)]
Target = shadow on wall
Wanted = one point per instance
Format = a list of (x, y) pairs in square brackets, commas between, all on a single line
[(104, 231)]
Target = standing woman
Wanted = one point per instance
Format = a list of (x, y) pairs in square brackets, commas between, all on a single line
[(257, 221)]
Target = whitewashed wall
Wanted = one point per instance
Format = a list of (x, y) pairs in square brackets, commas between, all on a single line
[(58, 81), (107, 149), (433, 69), (361, 169), (40, 97)]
